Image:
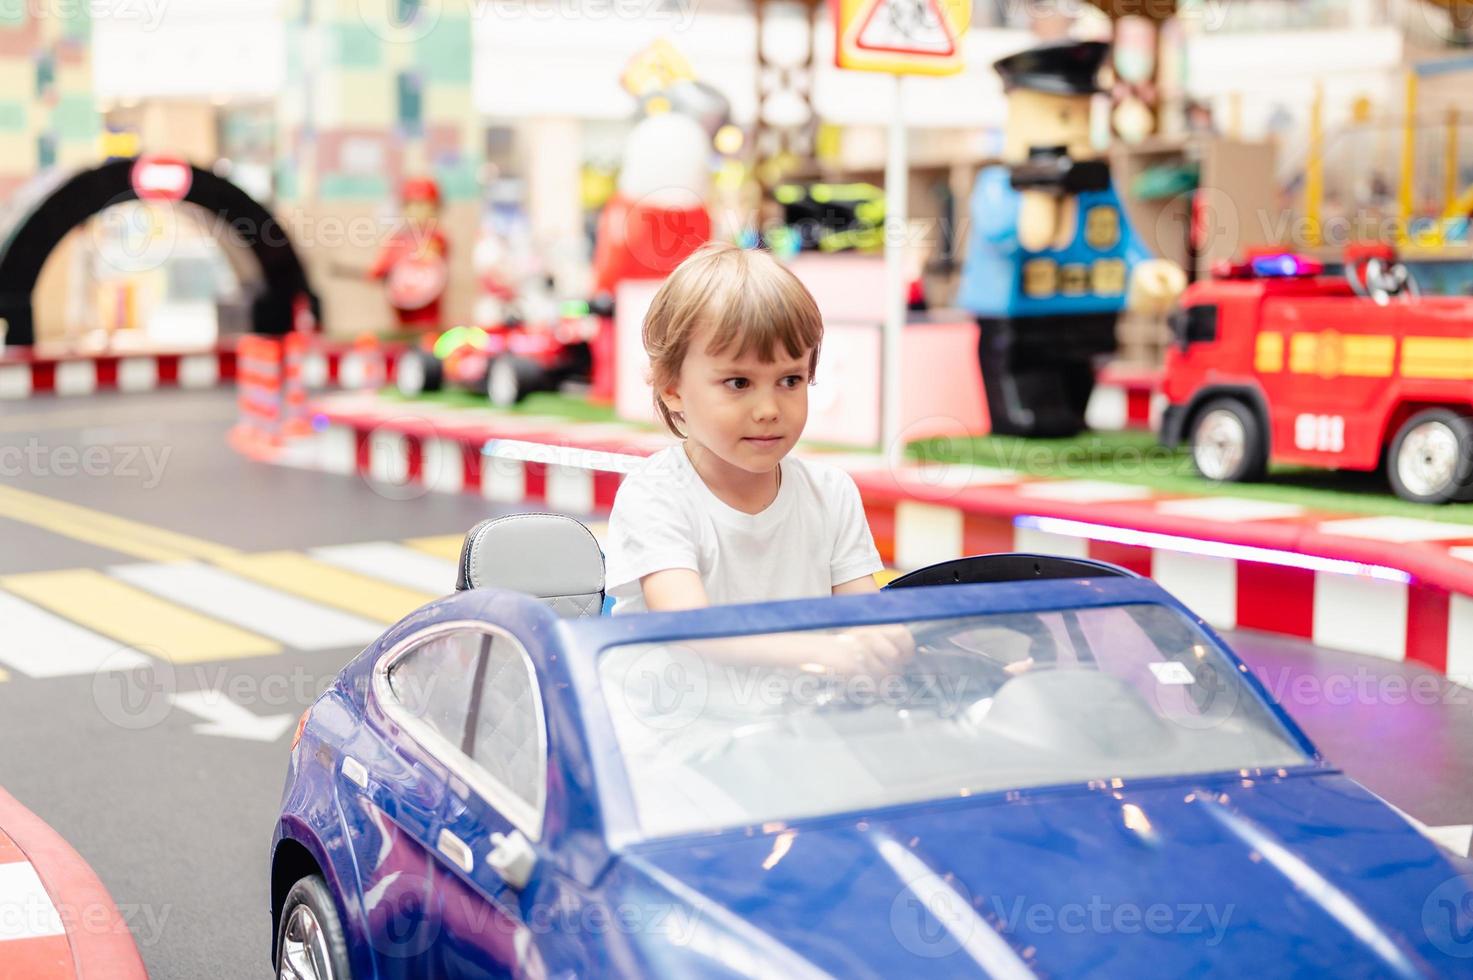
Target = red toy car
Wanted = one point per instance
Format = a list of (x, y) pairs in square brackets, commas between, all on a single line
[(506, 363), (1275, 360)]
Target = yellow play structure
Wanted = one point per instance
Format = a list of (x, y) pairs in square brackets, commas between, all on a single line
[(1429, 141)]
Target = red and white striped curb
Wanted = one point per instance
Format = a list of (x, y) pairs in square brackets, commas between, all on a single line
[(1390, 587), (24, 376), (347, 366), (56, 919), (326, 365), (1125, 399)]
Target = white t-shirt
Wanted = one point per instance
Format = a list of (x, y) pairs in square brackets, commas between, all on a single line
[(812, 537)]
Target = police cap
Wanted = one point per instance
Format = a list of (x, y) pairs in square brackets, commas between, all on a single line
[(1058, 68)]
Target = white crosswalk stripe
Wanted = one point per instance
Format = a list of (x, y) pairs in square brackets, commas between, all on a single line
[(289, 619), (393, 563), (38, 643)]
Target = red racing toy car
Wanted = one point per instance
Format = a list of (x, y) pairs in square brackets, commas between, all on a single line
[(506, 363)]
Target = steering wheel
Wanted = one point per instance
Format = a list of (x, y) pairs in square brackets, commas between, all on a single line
[(948, 676), (1378, 280)]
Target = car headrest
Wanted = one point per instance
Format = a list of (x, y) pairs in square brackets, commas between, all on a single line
[(552, 557)]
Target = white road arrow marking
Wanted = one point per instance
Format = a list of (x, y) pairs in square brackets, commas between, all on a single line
[(226, 718)]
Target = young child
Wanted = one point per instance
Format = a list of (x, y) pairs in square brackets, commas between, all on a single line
[(727, 516)]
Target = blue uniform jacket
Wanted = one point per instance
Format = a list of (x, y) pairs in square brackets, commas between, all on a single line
[(1000, 278)]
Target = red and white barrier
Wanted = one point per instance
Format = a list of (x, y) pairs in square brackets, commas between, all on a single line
[(269, 387), (323, 364), (1373, 609), (24, 375), (1125, 399), (32, 937)]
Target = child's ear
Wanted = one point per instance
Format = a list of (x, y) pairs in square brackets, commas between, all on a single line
[(672, 399)]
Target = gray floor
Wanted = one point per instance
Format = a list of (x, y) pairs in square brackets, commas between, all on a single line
[(1402, 730), (176, 824)]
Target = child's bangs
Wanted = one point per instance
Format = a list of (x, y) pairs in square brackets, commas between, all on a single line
[(761, 314)]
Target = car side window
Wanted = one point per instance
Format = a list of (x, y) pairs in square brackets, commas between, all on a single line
[(433, 681), (475, 690), (506, 732)]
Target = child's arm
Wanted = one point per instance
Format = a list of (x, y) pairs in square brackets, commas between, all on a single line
[(874, 650), (673, 588), (681, 588), (855, 586)]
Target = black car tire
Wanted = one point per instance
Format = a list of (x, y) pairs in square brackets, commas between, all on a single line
[(417, 372), (1430, 460), (511, 378), (1228, 443), (310, 903)]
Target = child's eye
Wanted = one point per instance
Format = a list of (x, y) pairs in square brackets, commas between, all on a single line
[(792, 381), (737, 384)]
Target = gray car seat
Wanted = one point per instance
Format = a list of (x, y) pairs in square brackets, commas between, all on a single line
[(552, 557)]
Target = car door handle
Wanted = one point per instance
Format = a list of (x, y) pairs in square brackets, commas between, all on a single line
[(513, 858), (355, 772), (457, 850)]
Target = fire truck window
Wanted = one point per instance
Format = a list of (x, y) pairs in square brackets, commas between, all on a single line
[(1195, 325)]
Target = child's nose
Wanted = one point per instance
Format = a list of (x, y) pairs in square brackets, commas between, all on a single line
[(765, 407)]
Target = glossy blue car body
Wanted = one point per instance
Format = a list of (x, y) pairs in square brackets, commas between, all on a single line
[(1248, 872)]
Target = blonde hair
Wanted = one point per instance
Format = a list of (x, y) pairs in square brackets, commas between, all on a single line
[(748, 299)]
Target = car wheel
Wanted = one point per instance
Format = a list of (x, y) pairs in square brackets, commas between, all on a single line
[(418, 371), (1228, 442), (510, 379), (1431, 459), (309, 942)]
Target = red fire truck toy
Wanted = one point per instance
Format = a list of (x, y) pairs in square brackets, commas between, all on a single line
[(1274, 360)]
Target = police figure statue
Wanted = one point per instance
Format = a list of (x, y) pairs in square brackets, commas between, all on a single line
[(1051, 255)]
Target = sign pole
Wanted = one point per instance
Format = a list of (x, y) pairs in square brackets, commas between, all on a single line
[(899, 37), (897, 193)]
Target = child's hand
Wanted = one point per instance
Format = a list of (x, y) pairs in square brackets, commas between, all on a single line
[(871, 650)]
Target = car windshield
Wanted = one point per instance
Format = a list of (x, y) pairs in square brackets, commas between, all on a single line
[(712, 739)]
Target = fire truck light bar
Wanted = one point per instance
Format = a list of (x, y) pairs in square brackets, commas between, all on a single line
[(1211, 549), (1285, 266)]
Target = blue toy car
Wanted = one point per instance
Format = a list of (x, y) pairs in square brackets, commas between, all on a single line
[(1072, 776)]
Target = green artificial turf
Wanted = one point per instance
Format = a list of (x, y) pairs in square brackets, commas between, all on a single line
[(553, 403), (1136, 457)]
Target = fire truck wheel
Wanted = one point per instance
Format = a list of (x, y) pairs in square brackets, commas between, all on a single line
[(1227, 442), (512, 378), (418, 371), (1431, 459)]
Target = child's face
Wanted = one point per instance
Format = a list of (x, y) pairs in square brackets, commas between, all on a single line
[(748, 412)]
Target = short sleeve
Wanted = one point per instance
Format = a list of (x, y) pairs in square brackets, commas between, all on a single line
[(854, 551), (650, 529)]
